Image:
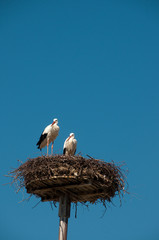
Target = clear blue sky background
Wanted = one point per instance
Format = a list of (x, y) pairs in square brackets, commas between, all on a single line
[(95, 66)]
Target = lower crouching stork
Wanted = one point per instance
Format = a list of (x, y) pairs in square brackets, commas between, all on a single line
[(49, 135), (70, 145)]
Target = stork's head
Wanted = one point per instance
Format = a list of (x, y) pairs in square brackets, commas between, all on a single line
[(54, 121), (72, 135)]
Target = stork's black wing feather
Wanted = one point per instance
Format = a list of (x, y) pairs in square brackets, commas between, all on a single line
[(64, 151), (42, 137)]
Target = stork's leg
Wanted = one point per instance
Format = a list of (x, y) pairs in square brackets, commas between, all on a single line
[(47, 146), (52, 148), (41, 152)]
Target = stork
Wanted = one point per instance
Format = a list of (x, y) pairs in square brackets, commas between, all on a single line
[(49, 135), (70, 144)]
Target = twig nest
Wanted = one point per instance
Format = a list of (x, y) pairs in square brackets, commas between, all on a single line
[(83, 179)]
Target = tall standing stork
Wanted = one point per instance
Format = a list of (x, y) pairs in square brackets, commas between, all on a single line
[(70, 145), (49, 135)]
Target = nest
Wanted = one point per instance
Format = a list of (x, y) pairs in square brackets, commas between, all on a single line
[(83, 179)]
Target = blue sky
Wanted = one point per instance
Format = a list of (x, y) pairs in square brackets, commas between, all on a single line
[(94, 66)]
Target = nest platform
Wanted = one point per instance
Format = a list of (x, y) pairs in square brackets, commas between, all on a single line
[(82, 179)]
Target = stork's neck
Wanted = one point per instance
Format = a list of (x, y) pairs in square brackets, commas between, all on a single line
[(71, 138), (55, 125)]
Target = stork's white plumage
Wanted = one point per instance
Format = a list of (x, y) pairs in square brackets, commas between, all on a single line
[(70, 145), (49, 135)]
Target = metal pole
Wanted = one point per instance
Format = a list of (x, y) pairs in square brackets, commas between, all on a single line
[(64, 214)]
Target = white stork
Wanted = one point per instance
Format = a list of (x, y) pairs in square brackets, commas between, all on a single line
[(49, 135), (70, 144)]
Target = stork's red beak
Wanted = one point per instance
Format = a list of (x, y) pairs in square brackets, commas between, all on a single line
[(53, 123), (69, 138)]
